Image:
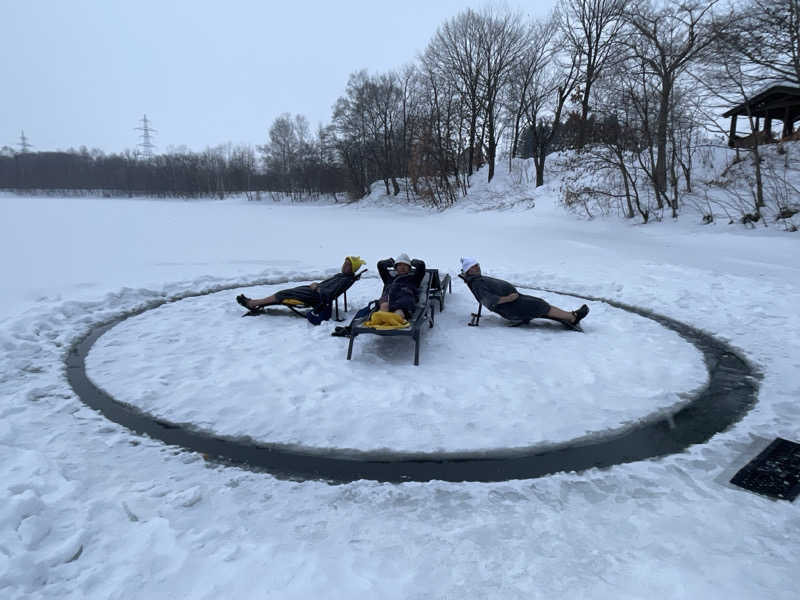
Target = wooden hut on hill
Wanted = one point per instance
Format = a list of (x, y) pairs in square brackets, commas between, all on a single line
[(778, 101)]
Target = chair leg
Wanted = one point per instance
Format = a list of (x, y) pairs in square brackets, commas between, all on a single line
[(476, 317), (295, 310), (350, 346), (416, 350)]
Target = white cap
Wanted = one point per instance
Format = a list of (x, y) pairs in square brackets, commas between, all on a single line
[(467, 263), (402, 258)]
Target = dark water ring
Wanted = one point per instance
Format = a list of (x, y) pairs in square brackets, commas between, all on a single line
[(731, 391)]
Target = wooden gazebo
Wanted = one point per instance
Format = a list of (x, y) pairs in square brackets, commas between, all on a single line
[(779, 101)]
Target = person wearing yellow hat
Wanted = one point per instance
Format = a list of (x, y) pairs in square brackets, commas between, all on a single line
[(317, 295), (356, 262)]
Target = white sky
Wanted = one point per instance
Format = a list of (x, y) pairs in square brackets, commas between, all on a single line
[(83, 72)]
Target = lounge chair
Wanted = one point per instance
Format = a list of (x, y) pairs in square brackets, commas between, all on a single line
[(303, 309), (431, 287)]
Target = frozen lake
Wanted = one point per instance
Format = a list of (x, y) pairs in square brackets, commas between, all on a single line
[(92, 510)]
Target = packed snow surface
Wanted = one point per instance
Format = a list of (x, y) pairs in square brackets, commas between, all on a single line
[(277, 378), (91, 510)]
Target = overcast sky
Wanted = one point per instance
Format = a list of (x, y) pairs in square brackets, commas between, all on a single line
[(83, 72)]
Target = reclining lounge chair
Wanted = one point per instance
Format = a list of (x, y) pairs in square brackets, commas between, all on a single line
[(304, 309), (431, 287)]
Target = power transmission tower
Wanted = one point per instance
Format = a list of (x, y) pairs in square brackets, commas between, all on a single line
[(146, 144), (24, 146)]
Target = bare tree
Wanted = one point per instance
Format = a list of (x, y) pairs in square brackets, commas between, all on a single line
[(434, 169), (457, 51), (279, 152), (664, 41), (383, 105), (506, 39), (350, 120), (590, 29), (523, 78), (410, 106), (548, 93), (729, 80), (609, 172), (242, 167), (767, 35)]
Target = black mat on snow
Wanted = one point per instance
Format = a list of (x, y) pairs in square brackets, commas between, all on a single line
[(774, 473)]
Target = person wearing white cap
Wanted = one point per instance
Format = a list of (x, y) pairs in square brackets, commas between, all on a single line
[(400, 289), (467, 263), (503, 298)]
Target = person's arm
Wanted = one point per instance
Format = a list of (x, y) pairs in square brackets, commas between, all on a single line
[(316, 284), (419, 271), (383, 269), (507, 293), (509, 298)]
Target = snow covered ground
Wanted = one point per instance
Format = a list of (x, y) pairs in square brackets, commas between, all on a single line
[(297, 391), (87, 509)]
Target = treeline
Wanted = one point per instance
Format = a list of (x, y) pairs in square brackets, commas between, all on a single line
[(213, 172), (631, 85), (636, 88)]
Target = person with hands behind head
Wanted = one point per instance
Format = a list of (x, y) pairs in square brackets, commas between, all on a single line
[(315, 294), (400, 288)]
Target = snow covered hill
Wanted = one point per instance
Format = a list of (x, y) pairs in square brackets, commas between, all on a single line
[(722, 187)]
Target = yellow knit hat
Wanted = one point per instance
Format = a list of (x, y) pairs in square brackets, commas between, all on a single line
[(356, 262)]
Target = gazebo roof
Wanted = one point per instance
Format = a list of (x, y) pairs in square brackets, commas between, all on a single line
[(771, 101)]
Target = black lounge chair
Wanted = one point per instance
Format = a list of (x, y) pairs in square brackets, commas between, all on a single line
[(432, 287), (303, 309), (440, 286), (300, 308)]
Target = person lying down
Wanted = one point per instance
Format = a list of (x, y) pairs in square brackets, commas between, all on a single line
[(314, 295)]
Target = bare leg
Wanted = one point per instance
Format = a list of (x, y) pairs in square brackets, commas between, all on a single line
[(384, 306), (254, 303)]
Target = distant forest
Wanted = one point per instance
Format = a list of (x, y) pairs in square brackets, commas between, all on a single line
[(213, 172), (632, 85)]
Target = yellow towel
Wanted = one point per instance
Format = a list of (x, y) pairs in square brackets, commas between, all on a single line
[(356, 262), (292, 302), (386, 320)]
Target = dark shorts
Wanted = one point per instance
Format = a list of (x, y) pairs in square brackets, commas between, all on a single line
[(524, 308), (304, 294), (401, 297)]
